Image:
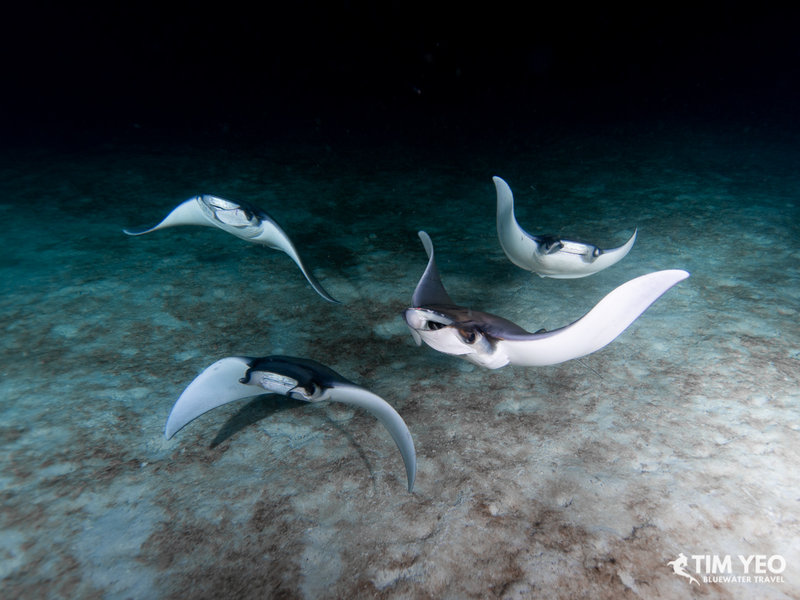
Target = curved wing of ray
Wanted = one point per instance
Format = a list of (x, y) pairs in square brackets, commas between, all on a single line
[(383, 411), (215, 386), (186, 213), (609, 257), (599, 327), (274, 237), (518, 245), (430, 289)]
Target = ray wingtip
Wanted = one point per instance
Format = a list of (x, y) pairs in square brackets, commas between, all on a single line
[(172, 427), (138, 230)]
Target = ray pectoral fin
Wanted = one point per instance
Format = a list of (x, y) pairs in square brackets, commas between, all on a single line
[(275, 237), (599, 327), (614, 255), (186, 213), (518, 245), (545, 255), (215, 386), (316, 284), (139, 230), (383, 411), (430, 289)]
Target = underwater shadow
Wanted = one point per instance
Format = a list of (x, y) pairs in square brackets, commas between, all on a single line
[(258, 408), (267, 405)]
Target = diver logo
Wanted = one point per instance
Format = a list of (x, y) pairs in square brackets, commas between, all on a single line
[(679, 568), (713, 568)]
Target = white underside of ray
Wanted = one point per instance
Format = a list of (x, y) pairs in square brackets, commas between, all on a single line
[(215, 386), (220, 384), (186, 213), (268, 233), (274, 237), (525, 252), (567, 265), (388, 416), (599, 327)]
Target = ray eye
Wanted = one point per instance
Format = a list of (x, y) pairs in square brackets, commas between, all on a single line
[(596, 252), (468, 336), (434, 325)]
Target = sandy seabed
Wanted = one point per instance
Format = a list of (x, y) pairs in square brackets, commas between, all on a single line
[(581, 480)]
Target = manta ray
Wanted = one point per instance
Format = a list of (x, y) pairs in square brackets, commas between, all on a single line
[(493, 342)]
